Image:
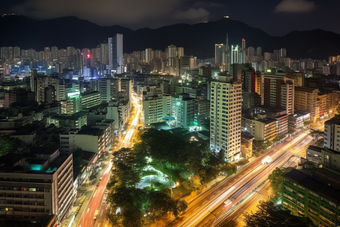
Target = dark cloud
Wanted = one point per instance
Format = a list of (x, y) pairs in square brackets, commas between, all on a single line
[(294, 6), (192, 14), (277, 17)]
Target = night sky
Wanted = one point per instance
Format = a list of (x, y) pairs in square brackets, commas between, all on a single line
[(276, 17)]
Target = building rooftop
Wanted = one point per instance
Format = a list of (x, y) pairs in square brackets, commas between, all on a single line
[(315, 148), (160, 126), (88, 130), (31, 165), (322, 181), (306, 89)]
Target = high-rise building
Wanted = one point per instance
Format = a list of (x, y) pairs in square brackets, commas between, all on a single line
[(183, 110), (235, 55), (47, 54), (38, 84), (72, 104), (279, 92), (155, 108), (118, 89), (283, 53), (104, 57), (306, 98), (115, 52), (259, 51), (332, 133), (70, 51), (225, 116), (251, 51), (219, 54), (243, 44), (16, 52), (227, 58), (267, 56), (54, 53), (180, 52), (149, 55)]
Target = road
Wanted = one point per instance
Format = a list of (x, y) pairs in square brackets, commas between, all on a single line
[(96, 202), (199, 209), (233, 216)]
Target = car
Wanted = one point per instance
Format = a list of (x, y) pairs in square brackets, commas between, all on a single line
[(101, 178), (95, 215)]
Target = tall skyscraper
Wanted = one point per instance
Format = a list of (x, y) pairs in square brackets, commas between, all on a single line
[(47, 54), (54, 53), (279, 92), (235, 54), (251, 51), (16, 52), (115, 52), (283, 53), (227, 58), (149, 55), (243, 44), (219, 54), (259, 51), (225, 116), (104, 57), (180, 52)]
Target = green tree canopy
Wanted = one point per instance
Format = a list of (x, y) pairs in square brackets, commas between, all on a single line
[(8, 144), (271, 215), (275, 179)]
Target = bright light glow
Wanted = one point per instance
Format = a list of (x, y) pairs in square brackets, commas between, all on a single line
[(73, 94), (266, 160), (89, 55), (148, 159)]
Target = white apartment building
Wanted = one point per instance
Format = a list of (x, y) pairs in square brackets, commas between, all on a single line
[(225, 116), (31, 188), (332, 133), (155, 108), (183, 110)]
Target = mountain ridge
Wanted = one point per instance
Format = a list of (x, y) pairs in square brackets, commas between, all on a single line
[(197, 39)]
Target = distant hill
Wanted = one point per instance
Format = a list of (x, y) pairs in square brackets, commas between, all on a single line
[(197, 39)]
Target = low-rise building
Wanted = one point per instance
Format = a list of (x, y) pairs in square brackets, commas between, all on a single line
[(88, 138), (261, 127), (247, 145), (90, 99), (76, 120), (35, 186), (323, 156), (297, 120)]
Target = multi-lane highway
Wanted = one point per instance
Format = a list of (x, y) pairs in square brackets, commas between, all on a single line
[(252, 190), (207, 203)]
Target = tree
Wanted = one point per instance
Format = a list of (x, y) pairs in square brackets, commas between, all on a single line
[(307, 122), (8, 144), (271, 215), (275, 179), (78, 162)]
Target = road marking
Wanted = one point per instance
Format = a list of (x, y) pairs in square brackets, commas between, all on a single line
[(94, 193), (87, 211)]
